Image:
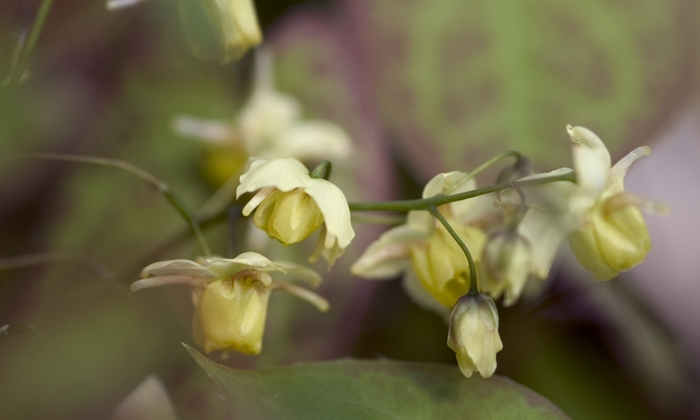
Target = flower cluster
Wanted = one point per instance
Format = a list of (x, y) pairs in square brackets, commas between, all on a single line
[(459, 249), (509, 242)]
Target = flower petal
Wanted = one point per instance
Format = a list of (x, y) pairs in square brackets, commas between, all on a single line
[(267, 114), (313, 140), (209, 131), (183, 267), (448, 183), (545, 231), (619, 170), (336, 213), (283, 174), (388, 256), (591, 160)]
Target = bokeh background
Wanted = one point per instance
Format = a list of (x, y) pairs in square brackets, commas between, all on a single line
[(422, 86)]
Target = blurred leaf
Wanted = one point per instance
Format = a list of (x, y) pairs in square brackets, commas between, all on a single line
[(351, 389), (458, 80)]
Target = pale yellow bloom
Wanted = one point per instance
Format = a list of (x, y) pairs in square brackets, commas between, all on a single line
[(230, 296), (436, 271), (605, 228), (269, 126), (221, 30), (474, 335), (291, 205)]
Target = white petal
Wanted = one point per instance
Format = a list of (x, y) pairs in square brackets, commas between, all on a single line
[(267, 114), (300, 272), (420, 220), (545, 231), (448, 181), (210, 131), (313, 140), (591, 160), (184, 267), (258, 198), (619, 170), (336, 214), (283, 174), (388, 256)]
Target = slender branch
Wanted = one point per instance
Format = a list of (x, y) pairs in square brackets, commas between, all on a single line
[(149, 179), (518, 156), (18, 70), (473, 284), (378, 220), (438, 200)]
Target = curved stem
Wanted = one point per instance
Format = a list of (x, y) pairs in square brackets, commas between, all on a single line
[(149, 179), (438, 200), (18, 69), (518, 156), (473, 284)]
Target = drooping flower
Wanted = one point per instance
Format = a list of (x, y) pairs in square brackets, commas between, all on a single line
[(221, 30), (269, 126), (230, 296), (604, 224), (473, 335), (507, 259), (291, 205), (436, 272)]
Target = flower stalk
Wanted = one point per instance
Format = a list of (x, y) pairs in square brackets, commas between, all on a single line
[(438, 200)]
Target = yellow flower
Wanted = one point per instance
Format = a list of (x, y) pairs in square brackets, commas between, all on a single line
[(221, 30), (230, 296), (291, 205), (436, 271), (473, 335), (605, 228), (507, 260), (269, 126)]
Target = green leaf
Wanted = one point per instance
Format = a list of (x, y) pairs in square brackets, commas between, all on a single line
[(373, 389)]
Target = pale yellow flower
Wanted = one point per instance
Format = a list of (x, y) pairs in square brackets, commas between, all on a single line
[(230, 296), (436, 271), (221, 30), (269, 126), (291, 205), (473, 335), (605, 228)]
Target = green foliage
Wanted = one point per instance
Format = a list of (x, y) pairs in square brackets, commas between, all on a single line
[(376, 389)]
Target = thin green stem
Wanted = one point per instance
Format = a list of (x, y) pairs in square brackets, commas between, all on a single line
[(438, 200), (149, 179), (472, 268), (18, 69), (485, 166), (378, 220)]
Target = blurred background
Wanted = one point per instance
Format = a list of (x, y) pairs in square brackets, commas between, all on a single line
[(422, 86)]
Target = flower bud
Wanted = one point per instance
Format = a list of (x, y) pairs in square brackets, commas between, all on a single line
[(507, 258), (612, 240), (230, 314), (473, 335), (288, 216)]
